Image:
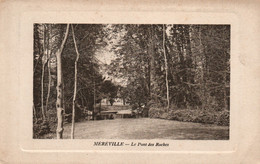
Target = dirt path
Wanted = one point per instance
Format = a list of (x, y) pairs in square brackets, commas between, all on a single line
[(145, 128)]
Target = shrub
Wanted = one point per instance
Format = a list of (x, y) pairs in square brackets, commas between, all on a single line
[(188, 115), (40, 128), (223, 118), (155, 112)]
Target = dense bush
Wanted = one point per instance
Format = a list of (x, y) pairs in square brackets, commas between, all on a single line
[(223, 118), (40, 128), (187, 115)]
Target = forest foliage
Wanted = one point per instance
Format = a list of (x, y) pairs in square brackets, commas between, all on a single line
[(198, 59)]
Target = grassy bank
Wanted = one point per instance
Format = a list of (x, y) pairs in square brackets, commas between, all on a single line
[(144, 128), (187, 115)]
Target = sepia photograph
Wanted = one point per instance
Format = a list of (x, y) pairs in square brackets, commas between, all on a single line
[(138, 81), (131, 81)]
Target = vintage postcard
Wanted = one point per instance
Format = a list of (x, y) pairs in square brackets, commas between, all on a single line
[(131, 82)]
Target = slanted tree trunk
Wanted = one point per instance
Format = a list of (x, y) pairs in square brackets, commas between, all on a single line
[(60, 110), (75, 84), (166, 69)]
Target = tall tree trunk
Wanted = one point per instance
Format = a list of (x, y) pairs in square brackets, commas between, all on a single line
[(60, 110), (148, 76), (225, 81), (49, 70), (43, 71), (75, 84), (152, 62), (49, 86), (204, 70), (42, 91), (63, 95), (166, 69), (94, 91), (189, 62)]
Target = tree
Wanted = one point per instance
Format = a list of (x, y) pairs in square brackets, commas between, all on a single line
[(88, 42), (44, 61), (166, 68), (110, 91), (49, 50), (75, 84), (123, 94), (132, 61), (89, 39), (160, 66), (60, 109), (174, 67)]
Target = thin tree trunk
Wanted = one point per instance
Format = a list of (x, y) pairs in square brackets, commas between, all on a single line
[(166, 69), (204, 72), (49, 73), (60, 110), (43, 71), (225, 82), (42, 91), (94, 93), (75, 85), (152, 63), (63, 95), (49, 86), (94, 99)]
